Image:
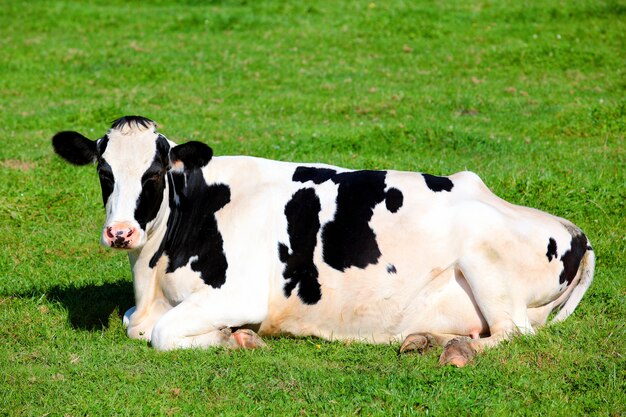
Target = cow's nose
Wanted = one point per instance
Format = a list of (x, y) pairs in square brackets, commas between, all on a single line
[(120, 235), (117, 232)]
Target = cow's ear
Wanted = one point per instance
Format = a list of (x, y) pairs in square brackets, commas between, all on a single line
[(74, 147), (190, 155)]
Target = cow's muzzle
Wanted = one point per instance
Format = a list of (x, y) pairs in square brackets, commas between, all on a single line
[(120, 236)]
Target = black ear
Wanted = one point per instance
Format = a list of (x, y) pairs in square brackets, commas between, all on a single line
[(74, 147), (191, 155)]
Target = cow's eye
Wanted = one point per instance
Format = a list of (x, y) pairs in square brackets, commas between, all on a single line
[(106, 177), (104, 172), (152, 178)]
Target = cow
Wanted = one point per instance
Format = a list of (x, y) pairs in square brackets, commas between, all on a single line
[(227, 249)]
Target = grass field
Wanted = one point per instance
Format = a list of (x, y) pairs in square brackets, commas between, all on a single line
[(529, 95)]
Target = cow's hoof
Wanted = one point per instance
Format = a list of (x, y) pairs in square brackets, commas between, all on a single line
[(416, 342), (126, 318), (247, 339), (457, 352)]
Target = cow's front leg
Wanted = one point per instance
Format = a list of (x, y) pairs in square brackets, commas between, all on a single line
[(140, 323), (151, 305), (127, 315), (201, 322), (169, 338)]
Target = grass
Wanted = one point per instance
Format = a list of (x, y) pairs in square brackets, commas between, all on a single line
[(530, 95)]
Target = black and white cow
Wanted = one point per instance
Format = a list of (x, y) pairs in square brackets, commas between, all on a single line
[(220, 246)]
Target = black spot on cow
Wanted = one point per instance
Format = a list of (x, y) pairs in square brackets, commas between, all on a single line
[(348, 240), (153, 185), (572, 257), (105, 173), (192, 227), (438, 184), (317, 175), (551, 253), (391, 269), (107, 180), (302, 213), (394, 199)]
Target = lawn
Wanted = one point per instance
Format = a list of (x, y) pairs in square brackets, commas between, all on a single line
[(529, 95)]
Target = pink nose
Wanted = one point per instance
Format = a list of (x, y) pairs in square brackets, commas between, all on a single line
[(121, 235)]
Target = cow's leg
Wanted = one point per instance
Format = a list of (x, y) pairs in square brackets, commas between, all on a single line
[(421, 342), (126, 318), (199, 323), (461, 350), (139, 323), (457, 352), (504, 309), (246, 338), (150, 304), (167, 339)]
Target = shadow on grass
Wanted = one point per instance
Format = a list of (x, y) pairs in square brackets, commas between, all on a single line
[(91, 306)]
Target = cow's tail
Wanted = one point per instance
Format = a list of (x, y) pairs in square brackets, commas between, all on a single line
[(579, 286)]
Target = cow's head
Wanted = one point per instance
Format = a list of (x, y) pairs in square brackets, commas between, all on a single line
[(133, 160)]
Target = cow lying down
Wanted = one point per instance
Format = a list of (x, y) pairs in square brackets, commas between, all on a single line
[(224, 249)]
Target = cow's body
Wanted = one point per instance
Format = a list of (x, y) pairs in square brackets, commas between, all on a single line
[(310, 249)]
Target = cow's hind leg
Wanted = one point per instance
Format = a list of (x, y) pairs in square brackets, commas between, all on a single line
[(421, 342), (504, 310), (458, 350), (246, 338), (461, 350)]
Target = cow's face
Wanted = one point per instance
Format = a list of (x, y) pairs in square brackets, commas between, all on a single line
[(133, 160)]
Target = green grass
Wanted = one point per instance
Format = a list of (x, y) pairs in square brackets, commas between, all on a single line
[(529, 95)]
